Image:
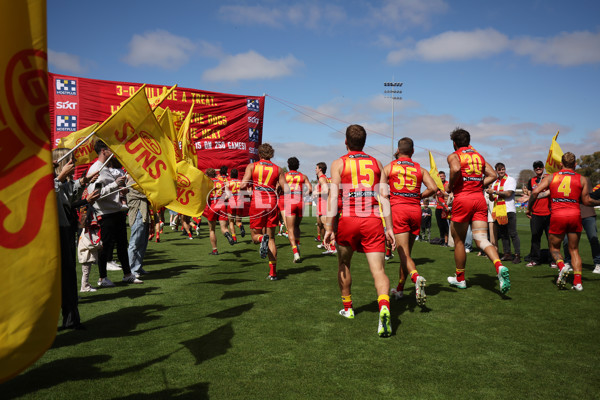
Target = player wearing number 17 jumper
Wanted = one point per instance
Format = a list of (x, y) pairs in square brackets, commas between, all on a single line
[(355, 177), (469, 173), (263, 176)]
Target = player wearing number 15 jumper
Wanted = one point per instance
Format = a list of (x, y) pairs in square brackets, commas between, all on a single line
[(264, 176), (405, 177), (567, 190), (469, 173), (356, 177)]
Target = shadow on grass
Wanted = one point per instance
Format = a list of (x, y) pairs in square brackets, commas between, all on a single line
[(235, 294), (232, 312), (211, 345), (169, 272), (121, 323), (422, 261), (238, 253), (228, 272), (108, 294), (299, 270), (228, 281), (192, 392), (488, 282), (68, 369)]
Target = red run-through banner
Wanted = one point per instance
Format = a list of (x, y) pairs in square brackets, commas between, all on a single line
[(227, 128)]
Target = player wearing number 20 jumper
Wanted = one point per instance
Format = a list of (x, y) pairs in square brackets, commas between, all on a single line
[(355, 177), (469, 173), (405, 177), (263, 175), (567, 190)]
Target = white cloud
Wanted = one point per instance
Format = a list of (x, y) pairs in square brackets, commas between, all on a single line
[(306, 15), (159, 48), (454, 45), (65, 62), (565, 49), (406, 13), (251, 65)]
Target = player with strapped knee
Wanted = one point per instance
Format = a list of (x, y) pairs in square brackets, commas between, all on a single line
[(469, 173), (355, 177), (405, 177), (567, 190)]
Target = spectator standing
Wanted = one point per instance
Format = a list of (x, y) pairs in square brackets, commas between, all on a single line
[(539, 220)]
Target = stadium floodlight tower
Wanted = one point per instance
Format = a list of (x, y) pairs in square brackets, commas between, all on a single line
[(392, 91)]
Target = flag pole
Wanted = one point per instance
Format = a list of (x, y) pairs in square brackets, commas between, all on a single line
[(115, 191), (78, 145)]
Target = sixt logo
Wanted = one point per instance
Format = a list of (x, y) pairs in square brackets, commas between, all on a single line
[(66, 105), (66, 123), (66, 86), (253, 105)]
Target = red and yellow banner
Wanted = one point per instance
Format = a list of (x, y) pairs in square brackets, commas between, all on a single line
[(136, 139), (226, 129), (29, 242)]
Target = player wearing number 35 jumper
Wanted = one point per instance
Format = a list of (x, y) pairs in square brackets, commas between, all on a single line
[(469, 173)]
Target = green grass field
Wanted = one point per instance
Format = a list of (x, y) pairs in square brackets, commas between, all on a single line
[(214, 327)]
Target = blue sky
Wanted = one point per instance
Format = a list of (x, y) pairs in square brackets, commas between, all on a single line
[(512, 73)]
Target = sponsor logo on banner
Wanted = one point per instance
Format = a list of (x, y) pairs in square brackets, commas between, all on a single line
[(66, 105), (253, 105), (66, 86), (253, 133), (253, 120), (66, 123)]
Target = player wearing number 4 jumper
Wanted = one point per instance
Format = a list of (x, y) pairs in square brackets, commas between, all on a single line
[(405, 177), (469, 173), (567, 190), (355, 177), (264, 176)]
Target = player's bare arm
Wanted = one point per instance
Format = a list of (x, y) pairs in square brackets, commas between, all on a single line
[(454, 165), (384, 201), (308, 185), (490, 174), (585, 194), (430, 185), (247, 179), (332, 199)]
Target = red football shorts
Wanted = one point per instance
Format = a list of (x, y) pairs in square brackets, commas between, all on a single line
[(560, 224), (264, 211), (321, 206), (364, 235), (471, 208), (406, 218), (212, 210), (293, 206)]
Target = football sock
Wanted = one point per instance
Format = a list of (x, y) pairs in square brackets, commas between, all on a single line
[(295, 249), (383, 300), (414, 275), (234, 238), (497, 264), (460, 274), (272, 268), (577, 278), (560, 264), (319, 237), (347, 301), (388, 251), (400, 287)]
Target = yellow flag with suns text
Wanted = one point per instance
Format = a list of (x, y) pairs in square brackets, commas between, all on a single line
[(433, 171), (137, 140), (167, 124), (188, 149), (85, 153), (554, 156), (193, 188), (30, 297)]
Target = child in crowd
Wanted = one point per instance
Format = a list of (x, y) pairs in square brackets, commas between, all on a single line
[(425, 222)]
